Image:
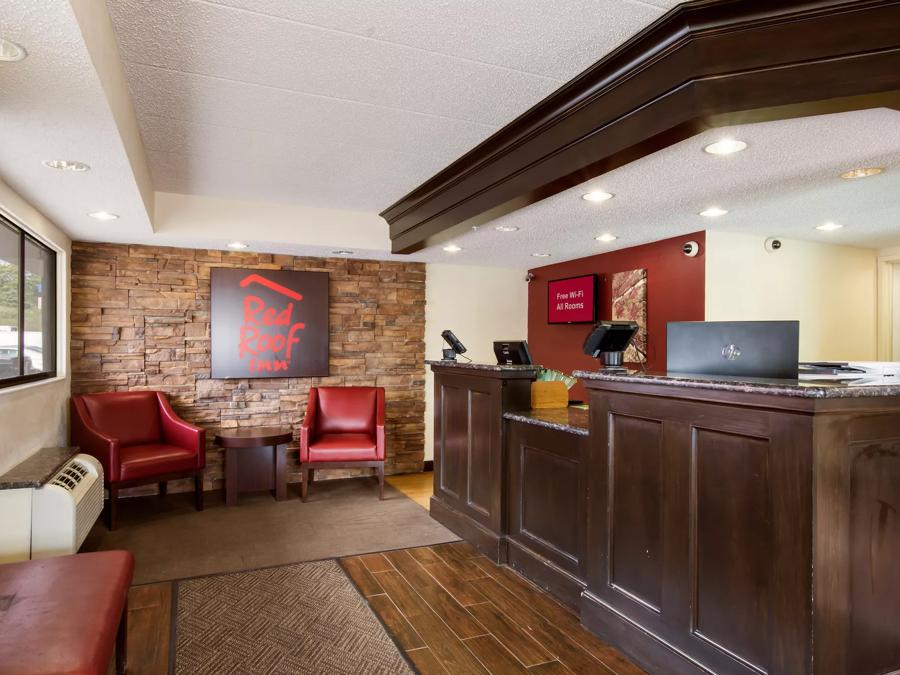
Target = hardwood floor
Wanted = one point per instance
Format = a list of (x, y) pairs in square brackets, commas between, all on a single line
[(416, 486), (149, 629), (454, 611)]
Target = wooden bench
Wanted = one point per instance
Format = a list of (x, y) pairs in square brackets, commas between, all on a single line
[(66, 614)]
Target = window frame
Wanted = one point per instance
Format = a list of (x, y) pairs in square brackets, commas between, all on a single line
[(51, 339)]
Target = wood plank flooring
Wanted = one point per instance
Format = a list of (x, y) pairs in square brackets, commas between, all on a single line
[(453, 611), (417, 486), (450, 609)]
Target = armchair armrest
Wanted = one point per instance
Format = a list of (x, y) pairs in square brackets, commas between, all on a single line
[(92, 442), (180, 433), (379, 423), (308, 427)]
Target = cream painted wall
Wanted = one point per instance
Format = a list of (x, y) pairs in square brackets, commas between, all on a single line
[(480, 305), (35, 416), (830, 289)]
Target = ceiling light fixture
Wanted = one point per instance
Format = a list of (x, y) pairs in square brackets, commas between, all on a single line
[(713, 212), (104, 215), (342, 251), (597, 196), (862, 173), (452, 248), (10, 51), (727, 146), (66, 165), (606, 237), (237, 246), (540, 255), (829, 227), (506, 228)]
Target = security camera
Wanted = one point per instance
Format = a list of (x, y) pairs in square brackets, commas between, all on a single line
[(691, 249), (773, 244), (529, 277)]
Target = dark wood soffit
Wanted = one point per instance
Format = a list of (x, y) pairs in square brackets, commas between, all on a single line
[(704, 64)]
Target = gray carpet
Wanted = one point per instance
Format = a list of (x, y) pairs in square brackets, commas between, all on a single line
[(304, 618), (170, 540)]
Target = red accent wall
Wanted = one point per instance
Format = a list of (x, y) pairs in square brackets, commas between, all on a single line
[(675, 292)]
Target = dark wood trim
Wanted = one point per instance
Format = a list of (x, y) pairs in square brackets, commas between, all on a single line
[(487, 542), (428, 465), (705, 64)]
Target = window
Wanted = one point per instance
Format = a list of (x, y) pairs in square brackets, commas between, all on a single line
[(27, 308)]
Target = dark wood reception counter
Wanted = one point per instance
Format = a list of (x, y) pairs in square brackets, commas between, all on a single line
[(698, 524)]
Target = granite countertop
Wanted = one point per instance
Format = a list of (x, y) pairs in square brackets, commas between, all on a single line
[(480, 366), (572, 420), (857, 388), (36, 470)]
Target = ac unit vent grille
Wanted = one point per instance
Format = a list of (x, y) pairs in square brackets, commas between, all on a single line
[(70, 476)]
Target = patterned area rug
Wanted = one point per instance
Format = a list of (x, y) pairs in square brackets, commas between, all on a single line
[(303, 618)]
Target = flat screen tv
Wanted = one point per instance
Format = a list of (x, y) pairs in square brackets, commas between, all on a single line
[(572, 300)]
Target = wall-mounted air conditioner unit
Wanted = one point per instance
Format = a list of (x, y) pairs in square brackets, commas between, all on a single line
[(53, 519)]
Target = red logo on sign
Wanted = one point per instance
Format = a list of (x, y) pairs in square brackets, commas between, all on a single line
[(268, 351)]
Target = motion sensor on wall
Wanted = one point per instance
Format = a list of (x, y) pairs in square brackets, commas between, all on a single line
[(773, 244), (691, 249)]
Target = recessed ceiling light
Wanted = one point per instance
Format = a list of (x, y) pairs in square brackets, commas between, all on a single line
[(597, 196), (104, 215), (10, 51), (342, 251), (713, 212), (452, 248), (506, 228), (726, 146), (862, 173), (66, 165), (540, 255), (237, 245), (606, 237), (829, 227)]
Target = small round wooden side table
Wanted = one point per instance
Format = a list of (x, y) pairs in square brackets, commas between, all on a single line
[(249, 466)]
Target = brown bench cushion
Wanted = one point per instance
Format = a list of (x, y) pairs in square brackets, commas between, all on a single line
[(60, 615)]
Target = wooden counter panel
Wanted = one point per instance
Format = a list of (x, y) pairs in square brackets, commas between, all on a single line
[(635, 507)]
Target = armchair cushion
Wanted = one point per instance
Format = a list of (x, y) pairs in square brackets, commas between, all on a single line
[(154, 459), (131, 417), (343, 448)]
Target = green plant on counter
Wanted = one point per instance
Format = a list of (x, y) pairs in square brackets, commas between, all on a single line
[(550, 375)]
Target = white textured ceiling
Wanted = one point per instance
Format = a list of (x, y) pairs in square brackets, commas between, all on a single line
[(52, 106), (784, 184), (345, 104)]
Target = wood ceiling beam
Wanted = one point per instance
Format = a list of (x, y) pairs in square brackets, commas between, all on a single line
[(705, 64)]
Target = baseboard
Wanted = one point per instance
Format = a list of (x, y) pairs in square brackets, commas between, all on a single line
[(649, 651), (487, 542), (428, 465), (560, 583)]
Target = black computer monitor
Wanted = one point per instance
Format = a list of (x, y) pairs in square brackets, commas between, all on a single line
[(768, 349), (609, 336), (512, 352)]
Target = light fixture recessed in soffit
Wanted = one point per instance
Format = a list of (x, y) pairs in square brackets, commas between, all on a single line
[(864, 172), (727, 146), (66, 165), (104, 215), (10, 51), (829, 227), (606, 237), (506, 228), (342, 251), (597, 196), (237, 245), (452, 248), (713, 212), (540, 255)]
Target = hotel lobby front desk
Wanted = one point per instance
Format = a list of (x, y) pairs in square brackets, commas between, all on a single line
[(700, 525)]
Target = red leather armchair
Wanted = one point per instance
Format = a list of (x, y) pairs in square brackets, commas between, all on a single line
[(138, 439), (343, 428)]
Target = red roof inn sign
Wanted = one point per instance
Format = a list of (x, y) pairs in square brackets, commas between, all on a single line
[(267, 323)]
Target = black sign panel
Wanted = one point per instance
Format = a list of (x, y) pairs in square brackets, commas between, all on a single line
[(268, 323)]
